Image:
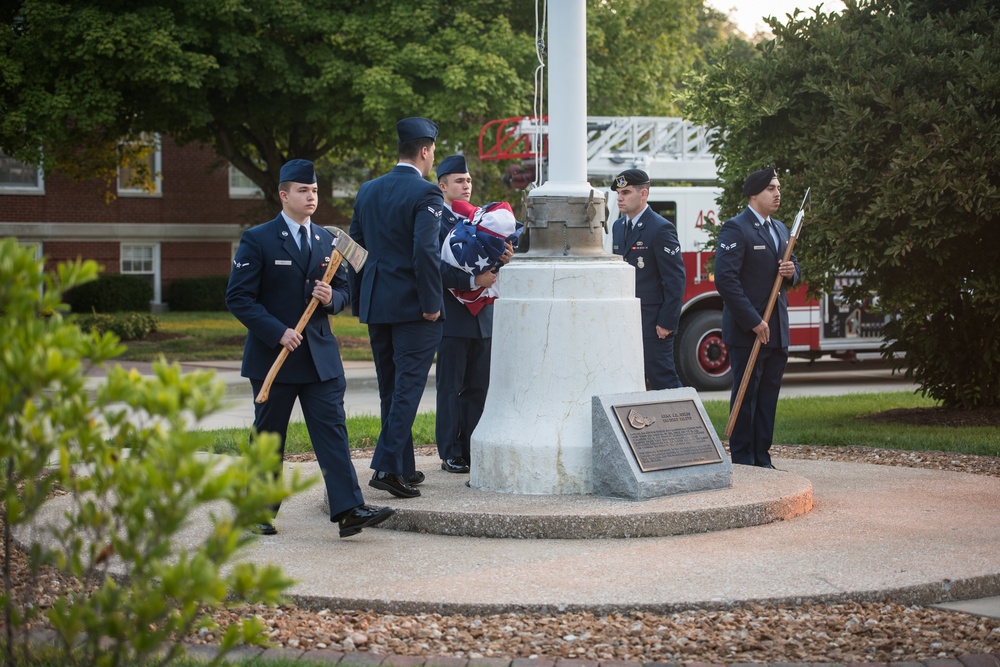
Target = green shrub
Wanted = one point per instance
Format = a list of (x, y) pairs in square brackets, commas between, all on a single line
[(127, 326), (111, 293), (198, 294), (116, 506)]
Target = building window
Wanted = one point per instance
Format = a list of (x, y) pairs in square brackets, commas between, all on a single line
[(20, 178), (141, 176), (241, 187), (143, 260)]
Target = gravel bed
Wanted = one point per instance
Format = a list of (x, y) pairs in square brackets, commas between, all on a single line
[(843, 633)]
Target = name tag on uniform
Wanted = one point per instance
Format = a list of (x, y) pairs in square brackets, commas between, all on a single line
[(760, 247), (288, 262)]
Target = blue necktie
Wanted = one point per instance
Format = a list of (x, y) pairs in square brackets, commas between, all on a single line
[(304, 244), (772, 234)]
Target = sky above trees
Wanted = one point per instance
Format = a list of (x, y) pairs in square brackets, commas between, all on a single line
[(748, 14)]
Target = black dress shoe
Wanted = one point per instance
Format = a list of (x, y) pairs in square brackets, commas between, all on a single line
[(392, 483), (363, 516), (458, 465), (416, 478), (263, 529)]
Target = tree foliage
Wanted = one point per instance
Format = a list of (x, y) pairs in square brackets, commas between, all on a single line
[(634, 62), (889, 111), (261, 81), (129, 475), (82, 81)]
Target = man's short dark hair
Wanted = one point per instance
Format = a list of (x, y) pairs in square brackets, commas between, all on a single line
[(410, 150)]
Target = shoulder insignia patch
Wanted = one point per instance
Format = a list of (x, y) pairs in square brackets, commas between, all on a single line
[(727, 247), (671, 252)]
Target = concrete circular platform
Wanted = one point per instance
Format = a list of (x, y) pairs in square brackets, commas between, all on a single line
[(914, 536), (756, 497)]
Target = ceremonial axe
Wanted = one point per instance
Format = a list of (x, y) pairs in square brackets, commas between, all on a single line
[(734, 410), (344, 247)]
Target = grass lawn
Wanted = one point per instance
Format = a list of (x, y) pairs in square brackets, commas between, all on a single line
[(829, 421), (839, 421), (205, 336), (833, 421)]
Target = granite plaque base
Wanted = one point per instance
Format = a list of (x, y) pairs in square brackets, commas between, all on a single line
[(656, 443)]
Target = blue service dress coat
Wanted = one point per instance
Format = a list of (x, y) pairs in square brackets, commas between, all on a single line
[(269, 288), (655, 252), (746, 266), (463, 361), (397, 218)]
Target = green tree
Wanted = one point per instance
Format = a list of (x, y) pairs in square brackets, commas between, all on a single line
[(634, 62), (716, 35), (889, 112), (639, 52), (129, 473), (82, 83), (260, 81)]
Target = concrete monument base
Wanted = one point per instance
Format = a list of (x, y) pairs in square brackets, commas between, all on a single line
[(564, 331)]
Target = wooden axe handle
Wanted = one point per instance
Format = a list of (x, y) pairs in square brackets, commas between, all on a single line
[(335, 259)]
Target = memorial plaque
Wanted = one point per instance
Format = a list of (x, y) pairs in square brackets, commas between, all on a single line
[(667, 434)]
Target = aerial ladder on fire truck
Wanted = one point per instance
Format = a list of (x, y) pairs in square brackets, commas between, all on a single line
[(668, 149)]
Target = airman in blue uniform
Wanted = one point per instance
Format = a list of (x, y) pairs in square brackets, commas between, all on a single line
[(276, 272), (463, 359), (398, 294), (751, 247), (648, 242)]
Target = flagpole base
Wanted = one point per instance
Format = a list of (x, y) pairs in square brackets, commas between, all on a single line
[(564, 331)]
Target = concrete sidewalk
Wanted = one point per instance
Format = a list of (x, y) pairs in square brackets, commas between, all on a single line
[(874, 532), (823, 378), (361, 397), (911, 535)]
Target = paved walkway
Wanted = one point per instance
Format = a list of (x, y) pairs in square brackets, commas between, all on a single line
[(912, 535), (874, 532), (330, 657)]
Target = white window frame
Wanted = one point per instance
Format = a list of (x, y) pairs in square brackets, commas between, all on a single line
[(9, 188), (242, 190), (155, 268), (157, 167)]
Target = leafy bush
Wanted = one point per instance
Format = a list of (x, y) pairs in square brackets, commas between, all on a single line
[(111, 293), (198, 294), (117, 506), (127, 326), (902, 154)]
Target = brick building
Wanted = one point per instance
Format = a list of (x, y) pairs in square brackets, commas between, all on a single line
[(188, 226)]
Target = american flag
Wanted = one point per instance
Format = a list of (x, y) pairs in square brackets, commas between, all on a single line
[(475, 246)]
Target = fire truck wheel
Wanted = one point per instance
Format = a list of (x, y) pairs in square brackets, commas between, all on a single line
[(702, 358)]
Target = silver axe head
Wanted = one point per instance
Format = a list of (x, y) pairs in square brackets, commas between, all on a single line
[(797, 225), (355, 255)]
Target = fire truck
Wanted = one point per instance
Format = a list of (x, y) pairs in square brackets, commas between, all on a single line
[(673, 150)]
